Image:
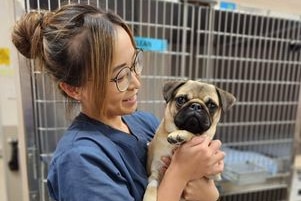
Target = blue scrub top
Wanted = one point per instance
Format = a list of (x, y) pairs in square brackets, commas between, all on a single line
[(96, 162)]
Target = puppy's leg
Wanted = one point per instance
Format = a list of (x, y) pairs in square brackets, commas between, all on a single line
[(152, 187), (179, 137), (159, 147)]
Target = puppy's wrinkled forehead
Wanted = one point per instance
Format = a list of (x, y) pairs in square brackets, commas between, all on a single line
[(198, 90)]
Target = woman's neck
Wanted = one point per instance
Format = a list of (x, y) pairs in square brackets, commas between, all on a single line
[(112, 121), (118, 124)]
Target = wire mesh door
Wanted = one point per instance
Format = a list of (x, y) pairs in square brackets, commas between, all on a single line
[(165, 63), (258, 59), (255, 57)]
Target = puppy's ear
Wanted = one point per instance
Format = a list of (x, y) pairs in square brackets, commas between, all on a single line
[(226, 99), (170, 88)]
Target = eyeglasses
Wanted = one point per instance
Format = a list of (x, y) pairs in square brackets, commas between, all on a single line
[(124, 76)]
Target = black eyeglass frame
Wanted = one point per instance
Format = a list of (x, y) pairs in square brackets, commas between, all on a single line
[(137, 62)]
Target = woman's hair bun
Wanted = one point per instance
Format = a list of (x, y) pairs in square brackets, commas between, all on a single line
[(26, 34)]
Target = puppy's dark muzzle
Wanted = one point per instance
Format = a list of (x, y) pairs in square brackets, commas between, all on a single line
[(193, 118)]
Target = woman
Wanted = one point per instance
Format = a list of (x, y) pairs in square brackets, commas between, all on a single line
[(92, 56)]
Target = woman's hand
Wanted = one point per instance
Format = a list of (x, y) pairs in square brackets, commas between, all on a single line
[(200, 157), (197, 158), (202, 189), (166, 162)]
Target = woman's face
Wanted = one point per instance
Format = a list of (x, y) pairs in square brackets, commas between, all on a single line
[(122, 102), (117, 102)]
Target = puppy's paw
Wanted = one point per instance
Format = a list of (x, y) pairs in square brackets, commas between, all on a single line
[(175, 140), (179, 137)]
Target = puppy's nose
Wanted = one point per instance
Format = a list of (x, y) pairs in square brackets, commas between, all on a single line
[(195, 107)]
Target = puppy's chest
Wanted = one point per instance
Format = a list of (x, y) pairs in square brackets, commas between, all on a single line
[(163, 147)]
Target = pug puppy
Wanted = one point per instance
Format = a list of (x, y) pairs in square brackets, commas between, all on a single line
[(193, 108)]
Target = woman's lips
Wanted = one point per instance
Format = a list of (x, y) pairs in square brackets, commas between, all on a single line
[(132, 99)]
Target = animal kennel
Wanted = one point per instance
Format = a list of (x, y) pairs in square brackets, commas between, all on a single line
[(254, 56)]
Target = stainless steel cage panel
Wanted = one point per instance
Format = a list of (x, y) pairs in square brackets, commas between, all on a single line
[(255, 57), (258, 59), (147, 18)]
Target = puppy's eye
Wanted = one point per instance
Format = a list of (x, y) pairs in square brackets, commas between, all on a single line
[(212, 107), (181, 100)]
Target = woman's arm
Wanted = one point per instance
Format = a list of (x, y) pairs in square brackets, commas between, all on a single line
[(202, 189)]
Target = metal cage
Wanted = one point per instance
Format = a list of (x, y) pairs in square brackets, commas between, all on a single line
[(255, 57)]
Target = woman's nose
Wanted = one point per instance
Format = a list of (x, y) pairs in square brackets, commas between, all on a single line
[(135, 82)]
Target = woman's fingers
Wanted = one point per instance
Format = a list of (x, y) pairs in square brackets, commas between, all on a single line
[(199, 157), (202, 139), (215, 144), (166, 160), (217, 164)]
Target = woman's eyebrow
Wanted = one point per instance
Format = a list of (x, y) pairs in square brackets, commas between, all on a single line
[(116, 68)]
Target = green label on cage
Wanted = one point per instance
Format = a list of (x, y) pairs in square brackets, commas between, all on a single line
[(151, 44)]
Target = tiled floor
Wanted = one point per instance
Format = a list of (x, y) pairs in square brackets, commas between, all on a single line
[(2, 196)]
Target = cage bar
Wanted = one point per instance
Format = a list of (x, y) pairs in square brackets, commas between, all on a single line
[(251, 55)]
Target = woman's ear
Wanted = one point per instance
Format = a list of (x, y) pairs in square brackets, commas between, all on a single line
[(71, 91)]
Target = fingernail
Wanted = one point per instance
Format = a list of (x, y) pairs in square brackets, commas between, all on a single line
[(163, 158)]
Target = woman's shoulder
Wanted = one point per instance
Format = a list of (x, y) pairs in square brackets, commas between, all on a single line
[(145, 116), (88, 142)]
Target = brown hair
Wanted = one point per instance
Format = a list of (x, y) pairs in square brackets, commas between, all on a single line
[(73, 44)]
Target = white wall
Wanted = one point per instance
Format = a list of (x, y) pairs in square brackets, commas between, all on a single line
[(282, 8), (11, 127), (8, 105), (286, 6)]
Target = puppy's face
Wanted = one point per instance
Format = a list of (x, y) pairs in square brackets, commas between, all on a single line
[(194, 106)]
